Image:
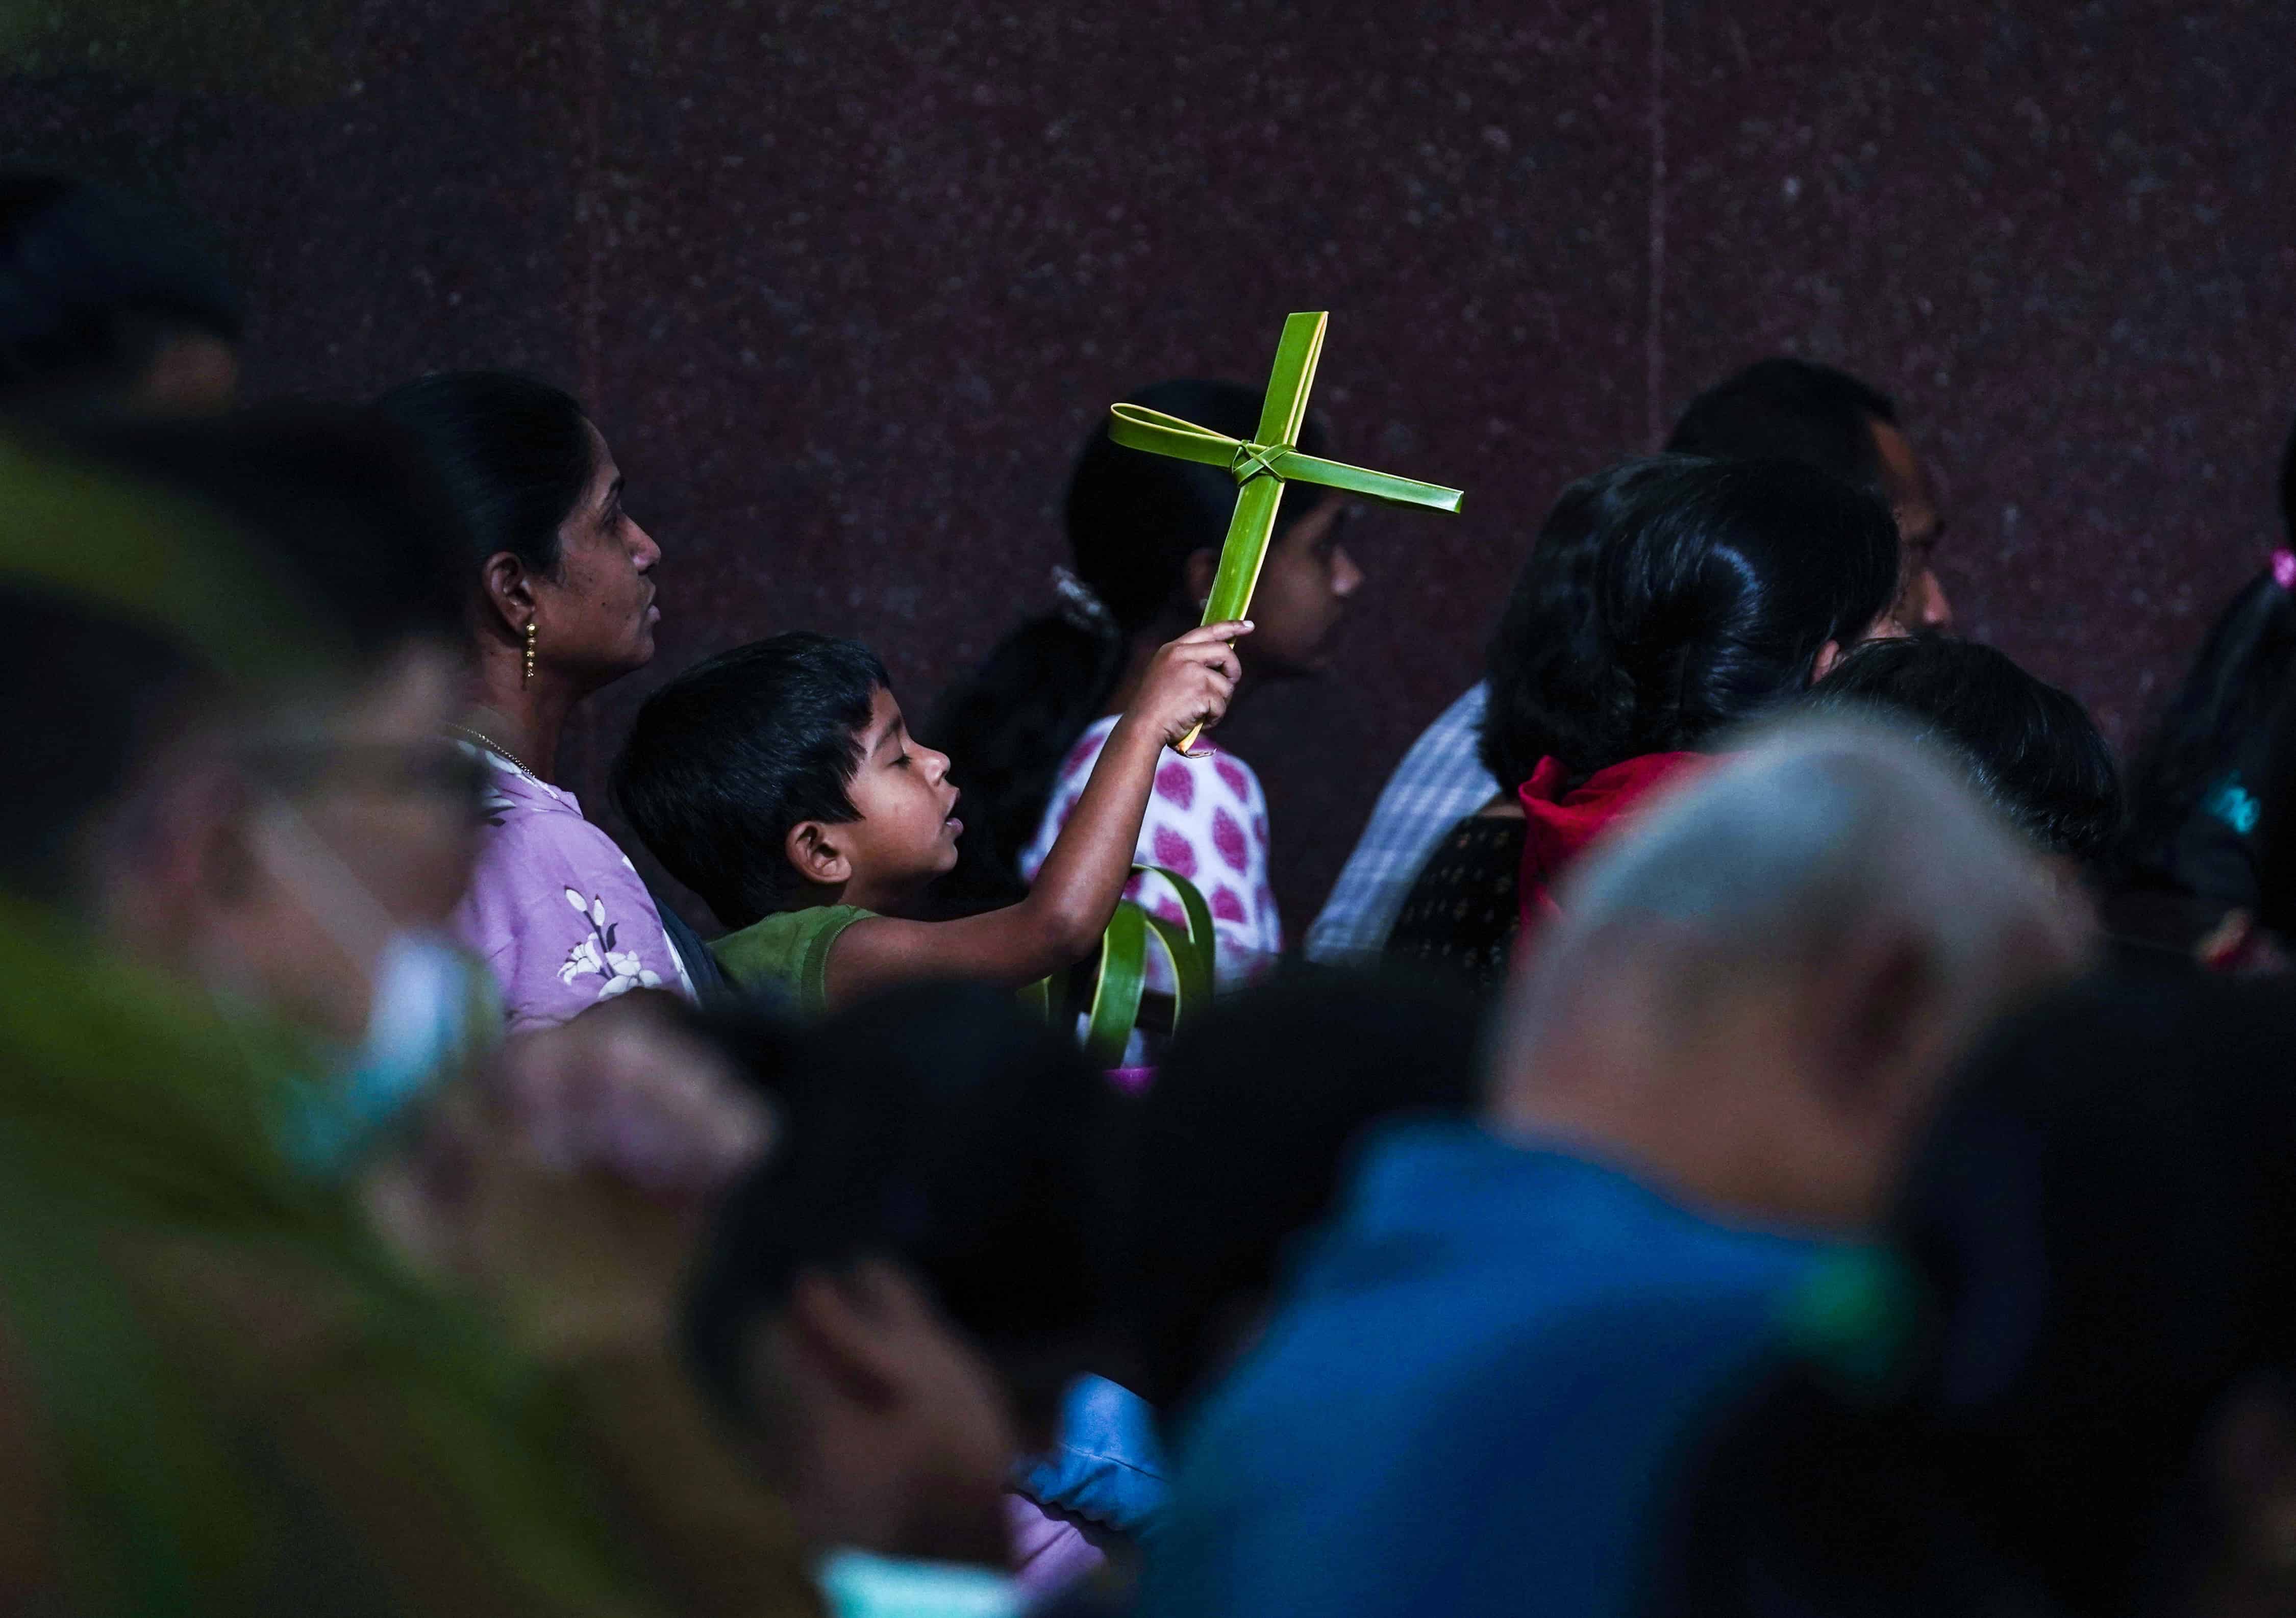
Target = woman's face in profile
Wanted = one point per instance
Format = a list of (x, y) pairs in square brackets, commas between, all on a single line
[(598, 614)]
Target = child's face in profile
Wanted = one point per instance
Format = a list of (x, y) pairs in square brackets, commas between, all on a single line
[(906, 835)]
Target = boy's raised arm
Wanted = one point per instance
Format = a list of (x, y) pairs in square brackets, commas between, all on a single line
[(1189, 683)]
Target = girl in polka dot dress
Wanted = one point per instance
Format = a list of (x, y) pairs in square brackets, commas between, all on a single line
[(1023, 731), (1207, 821)]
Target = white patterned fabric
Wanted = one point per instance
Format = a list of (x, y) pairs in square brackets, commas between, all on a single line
[(1207, 821)]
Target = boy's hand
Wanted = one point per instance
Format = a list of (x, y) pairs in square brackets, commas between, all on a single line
[(1190, 681)]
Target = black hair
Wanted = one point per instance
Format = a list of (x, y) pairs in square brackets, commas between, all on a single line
[(92, 281), (2210, 729), (330, 504), (2028, 748), (1133, 520), (333, 496), (2102, 1224), (937, 1125), (2288, 488), (515, 452), (724, 760), (2276, 830), (1782, 408), (88, 695), (1246, 1135), (1682, 596)]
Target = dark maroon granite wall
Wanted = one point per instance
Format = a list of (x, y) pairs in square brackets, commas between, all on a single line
[(846, 281)]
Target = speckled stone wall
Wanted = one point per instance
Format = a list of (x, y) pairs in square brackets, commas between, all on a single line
[(847, 282)]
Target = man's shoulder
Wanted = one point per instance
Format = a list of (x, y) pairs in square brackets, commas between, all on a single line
[(1384, 1330), (1494, 1431)]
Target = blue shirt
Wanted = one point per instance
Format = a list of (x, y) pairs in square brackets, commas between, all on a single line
[(1440, 783), (1107, 1464), (1473, 1392)]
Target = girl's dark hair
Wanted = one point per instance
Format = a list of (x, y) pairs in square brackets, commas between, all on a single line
[(1133, 520), (2212, 725), (937, 1125), (1670, 598), (514, 453), (725, 759), (92, 281), (2028, 748)]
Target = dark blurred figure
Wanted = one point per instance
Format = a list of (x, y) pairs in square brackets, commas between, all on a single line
[(1237, 1149), (1797, 410), (890, 1307), (233, 834), (2029, 749), (108, 305), (1468, 1389), (1253, 1122), (2093, 1410), (2189, 868)]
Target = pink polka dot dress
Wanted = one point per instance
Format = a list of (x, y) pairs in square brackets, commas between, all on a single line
[(1207, 821)]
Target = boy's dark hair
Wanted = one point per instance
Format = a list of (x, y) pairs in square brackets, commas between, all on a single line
[(513, 452), (1681, 596), (2029, 749), (1248, 1133), (1783, 409), (724, 760), (937, 1125), (328, 502), (92, 281), (1132, 521)]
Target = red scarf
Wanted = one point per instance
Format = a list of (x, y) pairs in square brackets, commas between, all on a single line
[(1559, 825)]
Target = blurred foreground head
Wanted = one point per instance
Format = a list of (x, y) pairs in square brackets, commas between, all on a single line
[(890, 1305), (109, 305), (1252, 1125), (232, 644), (2097, 1413), (1755, 991)]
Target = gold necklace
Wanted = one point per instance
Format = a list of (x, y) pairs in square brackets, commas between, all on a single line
[(492, 746)]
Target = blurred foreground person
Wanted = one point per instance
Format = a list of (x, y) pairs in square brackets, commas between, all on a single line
[(233, 836), (890, 1305), (1234, 1152), (2093, 1410), (1708, 1074), (107, 305), (1253, 1123)]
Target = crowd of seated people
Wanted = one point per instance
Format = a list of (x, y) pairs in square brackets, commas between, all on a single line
[(1772, 1120)]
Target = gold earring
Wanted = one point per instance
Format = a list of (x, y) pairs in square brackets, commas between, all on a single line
[(530, 651)]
